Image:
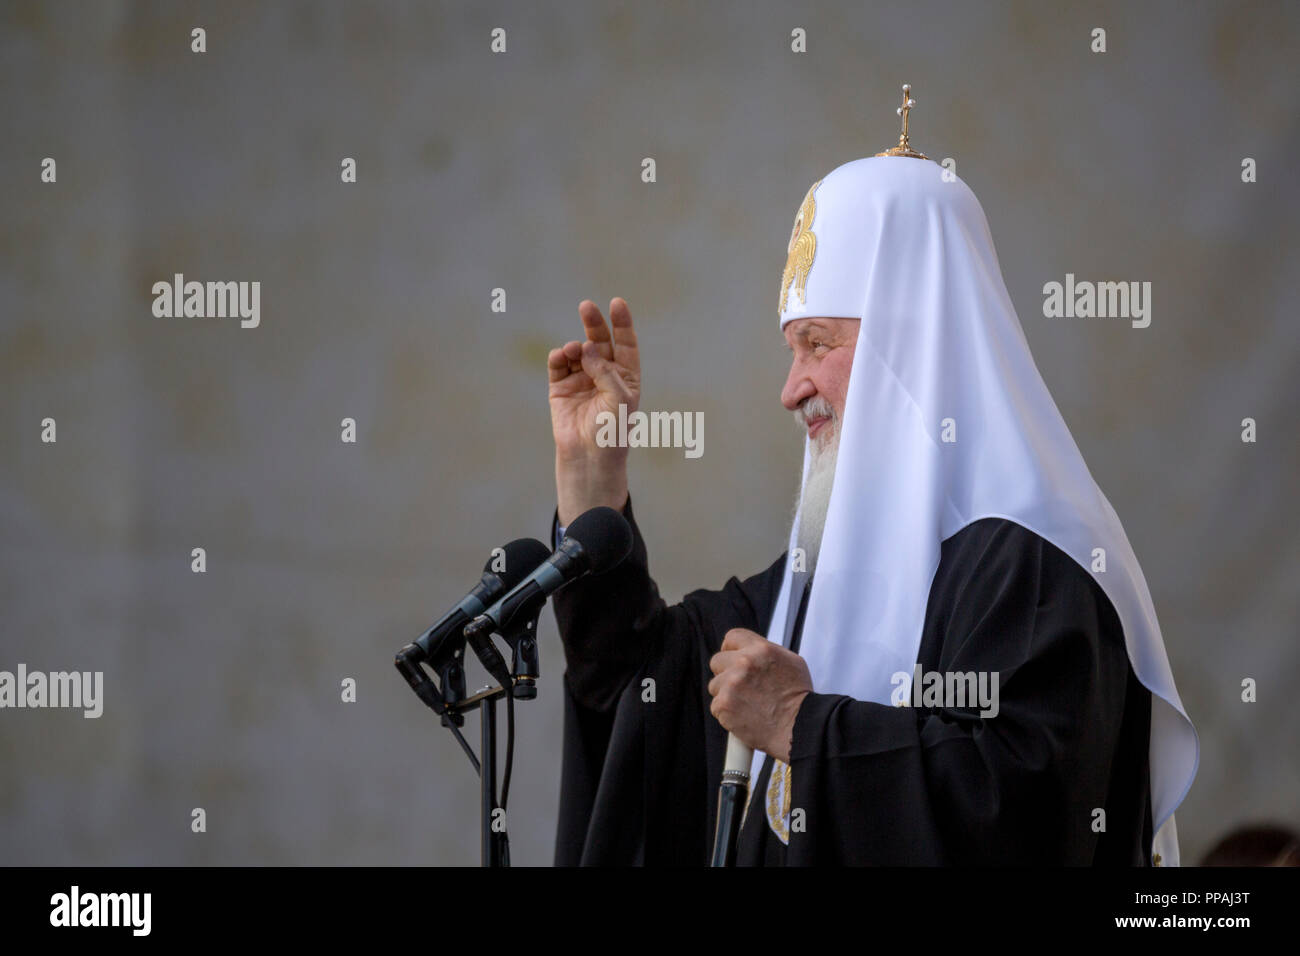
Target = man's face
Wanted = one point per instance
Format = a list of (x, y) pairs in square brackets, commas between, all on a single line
[(815, 391)]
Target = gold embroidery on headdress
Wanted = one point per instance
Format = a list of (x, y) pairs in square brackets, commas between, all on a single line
[(800, 251)]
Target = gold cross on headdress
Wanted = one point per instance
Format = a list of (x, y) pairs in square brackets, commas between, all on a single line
[(904, 148)]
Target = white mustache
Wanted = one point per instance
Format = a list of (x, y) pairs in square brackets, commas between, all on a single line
[(815, 407)]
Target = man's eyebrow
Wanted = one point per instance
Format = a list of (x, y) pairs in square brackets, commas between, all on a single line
[(812, 328)]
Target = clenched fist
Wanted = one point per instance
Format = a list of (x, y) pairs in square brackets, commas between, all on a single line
[(757, 689)]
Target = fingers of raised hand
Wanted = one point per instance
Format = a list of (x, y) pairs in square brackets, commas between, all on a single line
[(557, 365), (564, 361), (597, 331), (625, 350), (604, 372)]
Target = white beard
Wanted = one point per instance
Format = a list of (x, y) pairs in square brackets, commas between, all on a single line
[(816, 496)]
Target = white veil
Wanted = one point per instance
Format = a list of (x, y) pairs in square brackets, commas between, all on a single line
[(907, 249)]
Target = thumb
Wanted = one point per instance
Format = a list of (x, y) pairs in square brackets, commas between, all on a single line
[(603, 372)]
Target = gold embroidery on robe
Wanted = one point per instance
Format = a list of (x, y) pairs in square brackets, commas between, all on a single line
[(778, 801), (800, 251)]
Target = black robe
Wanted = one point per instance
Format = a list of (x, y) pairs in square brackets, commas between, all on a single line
[(878, 785)]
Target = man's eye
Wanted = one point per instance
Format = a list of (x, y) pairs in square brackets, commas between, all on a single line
[(818, 345)]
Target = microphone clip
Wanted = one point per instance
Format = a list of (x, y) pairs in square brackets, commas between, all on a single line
[(519, 630)]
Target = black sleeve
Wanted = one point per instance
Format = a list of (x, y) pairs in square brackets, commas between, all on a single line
[(606, 622), (634, 779), (610, 622), (909, 785)]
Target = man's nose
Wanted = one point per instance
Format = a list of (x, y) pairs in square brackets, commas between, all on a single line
[(798, 388)]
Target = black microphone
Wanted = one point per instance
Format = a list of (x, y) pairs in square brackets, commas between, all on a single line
[(597, 541), (517, 557)]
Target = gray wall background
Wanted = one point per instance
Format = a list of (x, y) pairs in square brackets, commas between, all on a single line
[(522, 171)]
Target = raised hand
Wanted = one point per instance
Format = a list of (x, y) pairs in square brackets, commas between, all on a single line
[(587, 378)]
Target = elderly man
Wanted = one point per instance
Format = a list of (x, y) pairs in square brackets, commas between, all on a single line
[(954, 662)]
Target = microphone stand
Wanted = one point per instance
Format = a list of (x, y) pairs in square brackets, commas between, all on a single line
[(451, 704), (495, 846)]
